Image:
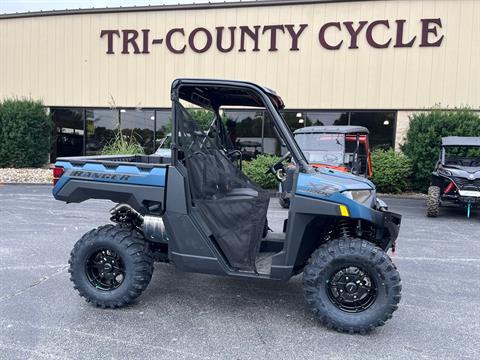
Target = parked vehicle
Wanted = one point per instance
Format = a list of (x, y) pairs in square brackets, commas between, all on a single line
[(199, 212), (456, 177), (343, 148)]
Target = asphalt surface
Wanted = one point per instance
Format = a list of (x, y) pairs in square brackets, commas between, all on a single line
[(193, 316)]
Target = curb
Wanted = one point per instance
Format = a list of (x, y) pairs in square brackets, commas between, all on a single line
[(409, 196), (28, 184), (273, 194)]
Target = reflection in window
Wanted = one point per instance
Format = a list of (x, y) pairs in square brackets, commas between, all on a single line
[(163, 128), (380, 124), (246, 131), (326, 118), (69, 132), (100, 126), (294, 120), (272, 144), (298, 119), (139, 124)]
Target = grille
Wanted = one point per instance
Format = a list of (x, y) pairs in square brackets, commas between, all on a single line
[(465, 184)]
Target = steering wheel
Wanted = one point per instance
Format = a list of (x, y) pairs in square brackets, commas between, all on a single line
[(278, 169)]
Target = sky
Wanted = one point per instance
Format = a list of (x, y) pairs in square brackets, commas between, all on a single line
[(12, 6)]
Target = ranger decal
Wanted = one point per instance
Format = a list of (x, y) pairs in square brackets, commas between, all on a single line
[(96, 175)]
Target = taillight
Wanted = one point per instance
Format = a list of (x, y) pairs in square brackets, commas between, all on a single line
[(57, 174)]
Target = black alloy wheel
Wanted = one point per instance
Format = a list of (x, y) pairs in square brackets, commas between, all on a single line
[(105, 270), (351, 289)]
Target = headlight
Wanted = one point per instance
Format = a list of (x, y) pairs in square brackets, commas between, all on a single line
[(360, 196), (444, 172)]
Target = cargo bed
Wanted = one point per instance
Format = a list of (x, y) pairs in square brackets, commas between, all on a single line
[(137, 180), (137, 160)]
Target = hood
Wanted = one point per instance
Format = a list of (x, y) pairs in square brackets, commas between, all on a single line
[(325, 182), (467, 172)]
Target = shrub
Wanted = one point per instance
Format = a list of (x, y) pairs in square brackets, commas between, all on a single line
[(26, 133), (256, 168), (391, 171), (424, 138), (122, 144), (203, 117)]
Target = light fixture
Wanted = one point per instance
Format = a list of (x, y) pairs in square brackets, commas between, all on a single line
[(299, 115), (152, 117), (386, 122), (300, 121), (123, 110)]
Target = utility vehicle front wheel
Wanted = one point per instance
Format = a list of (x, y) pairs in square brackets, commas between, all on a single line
[(110, 266), (433, 201), (351, 285)]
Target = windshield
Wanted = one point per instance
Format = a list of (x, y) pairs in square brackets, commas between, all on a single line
[(468, 156), (322, 148)]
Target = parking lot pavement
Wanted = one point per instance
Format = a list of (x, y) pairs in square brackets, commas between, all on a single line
[(193, 316)]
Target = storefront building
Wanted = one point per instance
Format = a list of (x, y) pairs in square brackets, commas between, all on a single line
[(369, 63)]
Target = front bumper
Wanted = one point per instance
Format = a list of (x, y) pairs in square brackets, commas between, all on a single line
[(387, 226), (462, 200)]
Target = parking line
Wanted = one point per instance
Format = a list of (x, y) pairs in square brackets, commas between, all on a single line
[(445, 260)]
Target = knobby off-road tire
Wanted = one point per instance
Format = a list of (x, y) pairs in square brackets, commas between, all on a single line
[(327, 261), (433, 201), (122, 246)]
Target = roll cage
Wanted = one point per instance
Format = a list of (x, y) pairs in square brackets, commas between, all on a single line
[(213, 94)]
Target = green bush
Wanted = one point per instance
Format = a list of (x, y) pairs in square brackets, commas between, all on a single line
[(256, 168), (26, 133), (424, 138), (122, 144), (391, 171), (203, 117)]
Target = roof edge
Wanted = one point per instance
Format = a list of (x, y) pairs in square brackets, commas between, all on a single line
[(199, 6)]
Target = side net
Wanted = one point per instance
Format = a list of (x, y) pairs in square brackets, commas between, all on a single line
[(233, 207)]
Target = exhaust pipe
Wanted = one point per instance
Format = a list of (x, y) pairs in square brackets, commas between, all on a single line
[(151, 226)]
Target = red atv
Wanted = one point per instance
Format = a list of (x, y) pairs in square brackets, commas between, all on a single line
[(342, 148)]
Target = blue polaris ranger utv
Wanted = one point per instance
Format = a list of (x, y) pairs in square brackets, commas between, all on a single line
[(196, 210)]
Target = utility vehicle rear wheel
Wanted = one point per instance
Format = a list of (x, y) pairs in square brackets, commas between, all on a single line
[(110, 266), (351, 285), (433, 201)]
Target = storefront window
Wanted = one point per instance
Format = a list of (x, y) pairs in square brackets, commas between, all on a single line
[(298, 119), (326, 118), (100, 127), (246, 131), (163, 128), (251, 131), (272, 144), (380, 124), (294, 120), (68, 132), (140, 125)]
